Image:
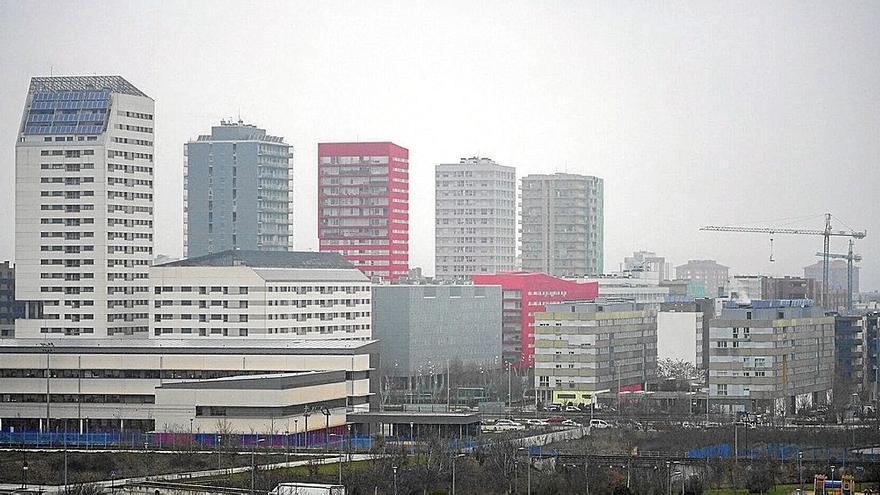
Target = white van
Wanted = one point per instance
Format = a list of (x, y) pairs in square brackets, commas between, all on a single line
[(599, 423)]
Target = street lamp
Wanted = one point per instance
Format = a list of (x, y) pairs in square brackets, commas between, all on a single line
[(190, 433), (528, 469), (306, 414), (801, 471), (48, 347), (394, 468), (254, 462), (832, 472), (326, 413), (295, 434), (454, 458), (24, 472)]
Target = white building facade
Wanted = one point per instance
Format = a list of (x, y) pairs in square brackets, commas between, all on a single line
[(84, 208), (126, 384), (260, 294), (475, 229)]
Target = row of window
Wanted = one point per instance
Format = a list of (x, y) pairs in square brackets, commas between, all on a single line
[(67, 153)]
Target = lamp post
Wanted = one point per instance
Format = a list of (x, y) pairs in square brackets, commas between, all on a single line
[(286, 445), (528, 470), (24, 472), (454, 458), (832, 472), (326, 413), (295, 435), (191, 433), (254, 463), (65, 457), (668, 478), (48, 347), (218, 452), (349, 446), (801, 471), (515, 475), (394, 469), (306, 414)]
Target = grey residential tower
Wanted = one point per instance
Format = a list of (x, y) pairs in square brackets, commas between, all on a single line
[(237, 191), (563, 224)]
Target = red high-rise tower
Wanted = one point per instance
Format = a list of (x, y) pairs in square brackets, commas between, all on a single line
[(363, 205)]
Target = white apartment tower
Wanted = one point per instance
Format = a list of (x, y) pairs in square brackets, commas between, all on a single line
[(475, 231), (84, 208)]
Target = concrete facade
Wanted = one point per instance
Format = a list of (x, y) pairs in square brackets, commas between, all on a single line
[(563, 224), (837, 274), (421, 327), (591, 347), (770, 359), (475, 218), (273, 403), (711, 275), (237, 191), (260, 294), (111, 384), (675, 331), (851, 355), (9, 309), (648, 261), (84, 208)]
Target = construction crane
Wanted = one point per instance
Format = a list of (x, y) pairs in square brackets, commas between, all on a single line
[(827, 233), (849, 257)]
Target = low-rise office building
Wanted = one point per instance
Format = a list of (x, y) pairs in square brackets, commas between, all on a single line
[(421, 328), (771, 357), (125, 384), (584, 348), (271, 403), (268, 294)]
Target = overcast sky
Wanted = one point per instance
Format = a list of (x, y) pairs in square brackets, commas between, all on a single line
[(744, 113)]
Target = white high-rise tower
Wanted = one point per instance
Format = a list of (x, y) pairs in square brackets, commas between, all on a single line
[(475, 231), (84, 208)]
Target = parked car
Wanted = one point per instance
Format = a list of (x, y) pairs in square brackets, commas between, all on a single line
[(503, 425), (599, 423), (537, 423), (572, 409), (555, 420), (570, 422), (554, 408)]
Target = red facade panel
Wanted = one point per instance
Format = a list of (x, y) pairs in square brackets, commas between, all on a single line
[(363, 205), (526, 293)]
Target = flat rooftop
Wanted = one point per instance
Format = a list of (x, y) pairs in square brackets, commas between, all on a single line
[(224, 345), (414, 417)]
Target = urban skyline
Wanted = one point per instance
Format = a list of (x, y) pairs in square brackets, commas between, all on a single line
[(657, 173)]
